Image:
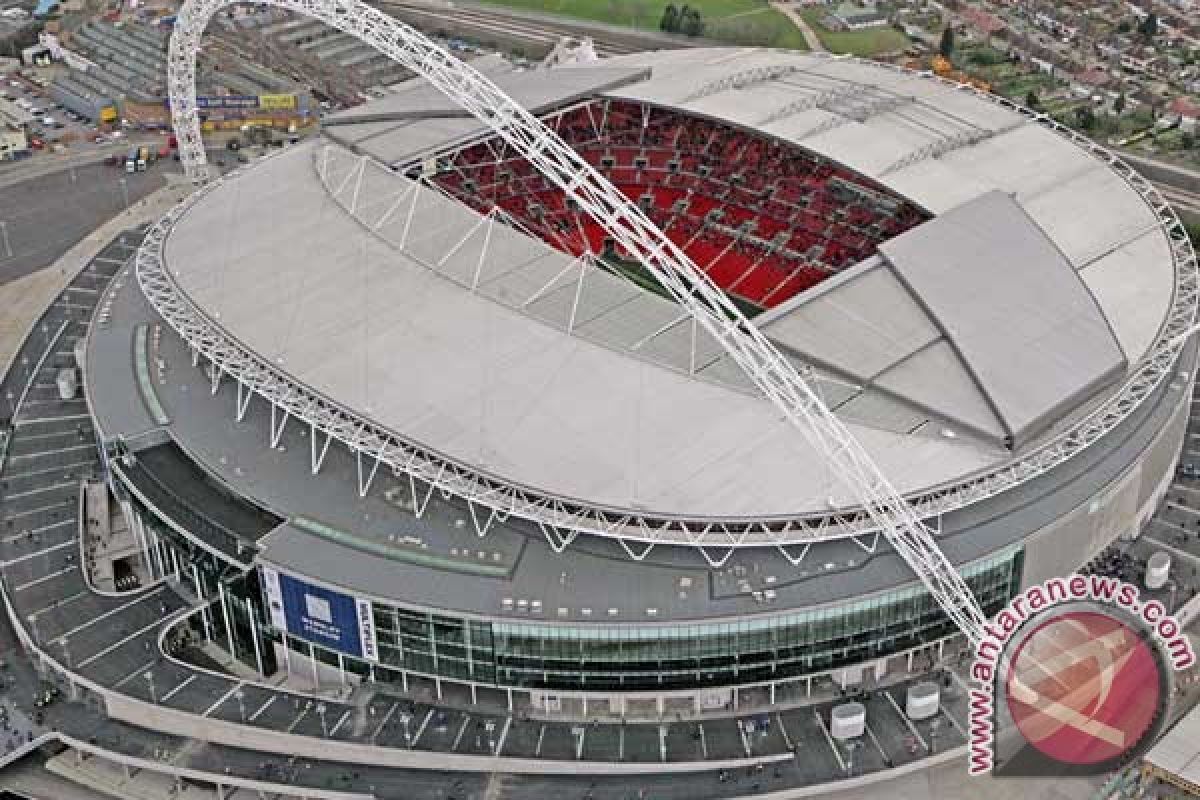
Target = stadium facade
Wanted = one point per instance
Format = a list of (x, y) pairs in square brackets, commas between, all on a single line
[(406, 414)]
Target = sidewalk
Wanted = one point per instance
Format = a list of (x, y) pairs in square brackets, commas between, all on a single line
[(810, 36)]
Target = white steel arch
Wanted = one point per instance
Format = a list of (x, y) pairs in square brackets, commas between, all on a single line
[(625, 222)]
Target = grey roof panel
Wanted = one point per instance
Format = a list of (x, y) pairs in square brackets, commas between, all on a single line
[(1014, 308), (859, 326)]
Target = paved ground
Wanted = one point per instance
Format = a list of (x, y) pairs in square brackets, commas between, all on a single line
[(44, 217)]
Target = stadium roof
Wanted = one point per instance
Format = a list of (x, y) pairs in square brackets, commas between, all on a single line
[(488, 347), (478, 376)]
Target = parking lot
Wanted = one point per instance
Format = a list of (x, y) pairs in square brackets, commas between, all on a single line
[(77, 132), (41, 218)]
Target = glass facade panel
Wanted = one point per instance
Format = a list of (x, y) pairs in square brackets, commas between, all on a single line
[(597, 657)]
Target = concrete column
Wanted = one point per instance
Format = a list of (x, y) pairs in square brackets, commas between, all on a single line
[(510, 702), (772, 693), (474, 695), (808, 686), (254, 639), (287, 655), (658, 702), (941, 648), (312, 661), (228, 623), (437, 686), (342, 669), (735, 698), (910, 659)]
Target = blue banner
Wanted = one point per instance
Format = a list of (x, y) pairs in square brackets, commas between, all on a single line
[(322, 616)]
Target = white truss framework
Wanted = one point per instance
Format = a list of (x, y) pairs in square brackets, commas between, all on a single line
[(899, 521)]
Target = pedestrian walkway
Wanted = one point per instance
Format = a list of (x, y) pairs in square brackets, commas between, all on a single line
[(810, 36)]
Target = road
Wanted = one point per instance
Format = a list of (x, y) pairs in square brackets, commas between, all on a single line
[(810, 36)]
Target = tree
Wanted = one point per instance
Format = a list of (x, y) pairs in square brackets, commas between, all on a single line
[(690, 22), (1032, 100), (1124, 27), (1188, 140), (1149, 26), (1085, 117), (1119, 104), (670, 19), (946, 45)]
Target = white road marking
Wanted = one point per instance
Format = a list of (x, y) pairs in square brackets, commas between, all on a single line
[(461, 731), (386, 717), (41, 529), (45, 578), (134, 674), (21, 422), (57, 604), (109, 613), (421, 729), (61, 468), (223, 698), (51, 549), (176, 690), (262, 708), (117, 644), (39, 510), (44, 453), (41, 490), (338, 724), (303, 713)]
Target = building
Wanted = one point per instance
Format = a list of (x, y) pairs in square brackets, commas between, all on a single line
[(1188, 112), (14, 125), (849, 16), (425, 447), (986, 23)]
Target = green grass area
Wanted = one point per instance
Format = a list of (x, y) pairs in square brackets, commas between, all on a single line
[(742, 22), (870, 42)]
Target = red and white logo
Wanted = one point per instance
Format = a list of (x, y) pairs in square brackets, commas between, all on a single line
[(1083, 687)]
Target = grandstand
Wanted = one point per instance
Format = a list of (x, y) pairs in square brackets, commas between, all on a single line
[(765, 221)]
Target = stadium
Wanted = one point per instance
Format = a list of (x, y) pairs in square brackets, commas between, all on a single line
[(403, 412)]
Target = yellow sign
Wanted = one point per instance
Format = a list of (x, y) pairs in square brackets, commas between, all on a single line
[(108, 114), (276, 102)]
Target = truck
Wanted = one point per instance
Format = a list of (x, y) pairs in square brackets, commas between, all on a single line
[(143, 157), (131, 160)]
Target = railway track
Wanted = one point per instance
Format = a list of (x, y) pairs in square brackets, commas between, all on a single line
[(1180, 198), (540, 32)]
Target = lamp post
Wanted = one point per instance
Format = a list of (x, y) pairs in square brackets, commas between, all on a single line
[(406, 718)]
